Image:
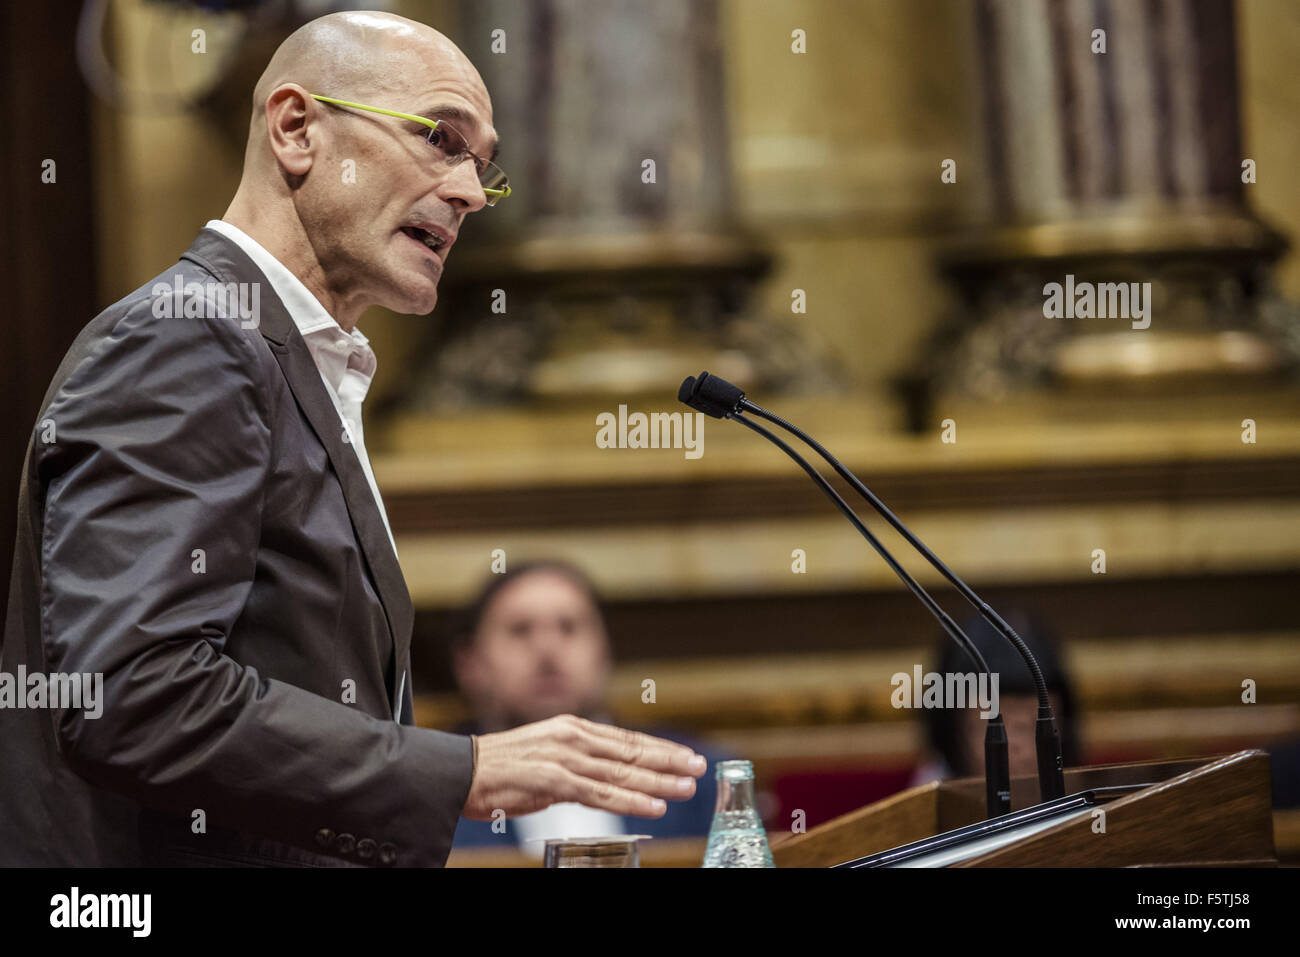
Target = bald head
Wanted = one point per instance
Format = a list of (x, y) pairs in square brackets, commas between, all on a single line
[(356, 55), (363, 206)]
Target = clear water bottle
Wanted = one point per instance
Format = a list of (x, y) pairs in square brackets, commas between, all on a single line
[(737, 838)]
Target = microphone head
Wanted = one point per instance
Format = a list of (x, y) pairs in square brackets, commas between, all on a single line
[(711, 395)]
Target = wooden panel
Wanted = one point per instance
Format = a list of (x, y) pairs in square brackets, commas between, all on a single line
[(1211, 815), (1197, 811)]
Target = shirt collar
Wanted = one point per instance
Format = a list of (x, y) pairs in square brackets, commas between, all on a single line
[(334, 351)]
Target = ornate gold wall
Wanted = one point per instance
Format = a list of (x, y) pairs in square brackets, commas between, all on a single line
[(881, 96), (837, 155)]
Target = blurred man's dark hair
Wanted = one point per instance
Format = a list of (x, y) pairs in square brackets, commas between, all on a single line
[(1014, 680)]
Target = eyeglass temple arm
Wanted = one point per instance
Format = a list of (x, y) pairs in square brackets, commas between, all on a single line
[(424, 120)]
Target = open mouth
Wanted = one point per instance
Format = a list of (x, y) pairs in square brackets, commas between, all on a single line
[(430, 240)]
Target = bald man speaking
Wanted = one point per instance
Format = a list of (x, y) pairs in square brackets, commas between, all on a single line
[(207, 652)]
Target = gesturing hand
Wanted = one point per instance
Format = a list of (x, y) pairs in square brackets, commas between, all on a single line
[(567, 758)]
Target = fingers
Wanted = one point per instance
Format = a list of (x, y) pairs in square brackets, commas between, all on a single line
[(634, 747), (567, 758), (632, 778), (609, 797)]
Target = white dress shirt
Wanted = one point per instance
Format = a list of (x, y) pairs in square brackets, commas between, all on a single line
[(345, 361)]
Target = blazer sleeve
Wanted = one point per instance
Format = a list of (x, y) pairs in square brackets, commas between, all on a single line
[(154, 486)]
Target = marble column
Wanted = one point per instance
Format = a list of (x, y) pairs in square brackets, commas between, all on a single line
[(1113, 153), (621, 262)]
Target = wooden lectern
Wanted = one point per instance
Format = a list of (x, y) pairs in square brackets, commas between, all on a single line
[(1188, 812)]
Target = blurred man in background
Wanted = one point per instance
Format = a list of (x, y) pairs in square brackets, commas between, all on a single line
[(533, 645)]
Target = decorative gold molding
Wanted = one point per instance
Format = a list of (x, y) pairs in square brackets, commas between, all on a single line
[(986, 546), (1157, 230)]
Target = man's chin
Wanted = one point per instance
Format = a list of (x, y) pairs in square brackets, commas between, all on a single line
[(417, 303)]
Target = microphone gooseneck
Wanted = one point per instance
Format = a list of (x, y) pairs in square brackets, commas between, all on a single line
[(1051, 775), (721, 399)]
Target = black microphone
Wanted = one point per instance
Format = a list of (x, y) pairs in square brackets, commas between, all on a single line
[(720, 399), (711, 395)]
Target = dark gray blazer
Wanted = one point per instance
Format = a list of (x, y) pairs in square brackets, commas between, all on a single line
[(194, 525)]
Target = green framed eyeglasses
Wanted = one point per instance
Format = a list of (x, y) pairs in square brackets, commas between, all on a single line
[(449, 142)]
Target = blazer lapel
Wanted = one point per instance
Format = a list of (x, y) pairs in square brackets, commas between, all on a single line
[(224, 259)]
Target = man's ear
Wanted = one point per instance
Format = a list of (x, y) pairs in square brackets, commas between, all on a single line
[(288, 129)]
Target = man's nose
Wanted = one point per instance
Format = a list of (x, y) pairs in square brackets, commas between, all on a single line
[(462, 183), (548, 638)]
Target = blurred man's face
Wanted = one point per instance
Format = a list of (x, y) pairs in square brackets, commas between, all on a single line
[(541, 650), (380, 193)]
